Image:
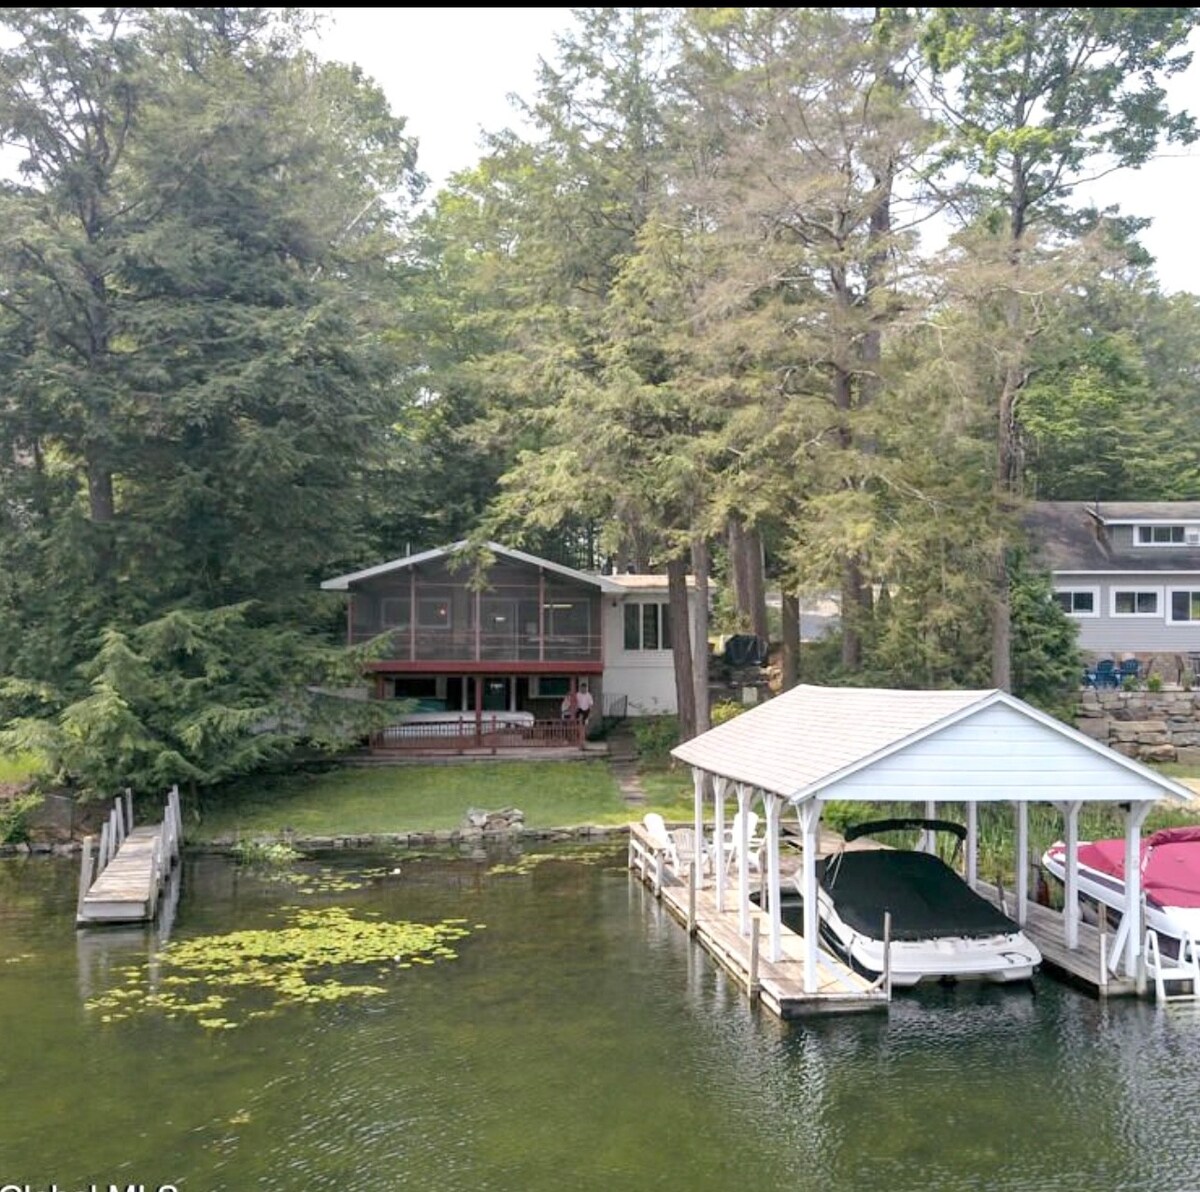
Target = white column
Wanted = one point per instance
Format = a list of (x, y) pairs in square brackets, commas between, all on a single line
[(810, 818), (1022, 859), (1134, 818), (929, 839), (698, 780), (771, 805), (1070, 812), (720, 786), (743, 798), (972, 843)]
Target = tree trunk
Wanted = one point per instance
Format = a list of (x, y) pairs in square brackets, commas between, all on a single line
[(790, 674), (700, 637), (756, 584), (101, 504), (681, 647)]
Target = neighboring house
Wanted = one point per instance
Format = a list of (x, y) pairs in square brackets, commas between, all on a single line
[(1129, 573), (507, 653)]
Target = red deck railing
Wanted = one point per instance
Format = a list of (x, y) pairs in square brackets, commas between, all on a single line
[(458, 737)]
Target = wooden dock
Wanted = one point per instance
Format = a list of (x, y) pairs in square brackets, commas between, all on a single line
[(122, 883), (1085, 965), (779, 985)]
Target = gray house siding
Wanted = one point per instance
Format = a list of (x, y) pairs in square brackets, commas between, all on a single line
[(1113, 633)]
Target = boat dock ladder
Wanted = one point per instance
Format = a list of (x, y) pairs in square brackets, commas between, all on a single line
[(1183, 969)]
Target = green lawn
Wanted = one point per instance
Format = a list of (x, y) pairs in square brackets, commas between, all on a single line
[(357, 800), (17, 767)]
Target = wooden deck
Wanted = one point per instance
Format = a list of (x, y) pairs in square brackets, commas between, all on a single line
[(131, 867), (1082, 965), (778, 984)]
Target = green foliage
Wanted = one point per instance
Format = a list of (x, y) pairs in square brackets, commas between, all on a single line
[(1154, 682), (656, 736), (726, 709), (195, 698), (221, 982), (14, 816), (265, 852), (1046, 660)]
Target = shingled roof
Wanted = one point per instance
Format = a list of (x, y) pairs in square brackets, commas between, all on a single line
[(1071, 535)]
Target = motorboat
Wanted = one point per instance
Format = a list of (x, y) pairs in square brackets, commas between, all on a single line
[(940, 929), (1170, 874)]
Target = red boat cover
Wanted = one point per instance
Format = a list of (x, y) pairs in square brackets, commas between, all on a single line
[(1170, 864)]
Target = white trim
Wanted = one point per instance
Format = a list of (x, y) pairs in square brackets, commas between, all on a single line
[(1170, 618), (341, 583), (1137, 590), (1094, 591), (1171, 525), (1131, 571)]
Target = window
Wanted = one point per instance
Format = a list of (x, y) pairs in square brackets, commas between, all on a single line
[(647, 627), (1078, 602), (1160, 535), (433, 614), (549, 686), (1185, 606), (393, 612), (1132, 602)]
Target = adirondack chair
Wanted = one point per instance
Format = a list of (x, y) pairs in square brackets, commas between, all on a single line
[(1131, 668), (1105, 674), (684, 851), (732, 842)]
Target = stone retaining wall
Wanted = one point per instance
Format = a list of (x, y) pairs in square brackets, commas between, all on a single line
[(1152, 726)]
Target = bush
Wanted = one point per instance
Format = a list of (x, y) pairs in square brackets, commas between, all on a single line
[(656, 736), (1154, 683), (14, 817), (726, 709)]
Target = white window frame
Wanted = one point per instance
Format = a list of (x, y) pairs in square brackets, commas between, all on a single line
[(1170, 601), (1071, 589), (664, 612), (1137, 590), (1138, 527)]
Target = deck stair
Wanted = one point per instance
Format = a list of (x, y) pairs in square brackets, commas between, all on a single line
[(1168, 971)]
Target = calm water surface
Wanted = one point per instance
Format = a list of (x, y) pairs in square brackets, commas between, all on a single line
[(578, 1042)]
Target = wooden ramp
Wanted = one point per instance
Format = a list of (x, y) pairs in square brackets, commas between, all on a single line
[(123, 882), (779, 985)]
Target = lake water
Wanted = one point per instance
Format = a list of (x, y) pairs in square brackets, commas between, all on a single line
[(577, 1042)]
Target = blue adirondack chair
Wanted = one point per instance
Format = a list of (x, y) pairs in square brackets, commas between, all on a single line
[(1105, 674), (1131, 668)]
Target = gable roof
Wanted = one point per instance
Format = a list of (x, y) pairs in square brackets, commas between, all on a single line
[(1070, 535), (812, 738), (342, 583)]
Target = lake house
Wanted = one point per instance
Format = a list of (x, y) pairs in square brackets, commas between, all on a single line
[(1129, 573), (491, 663)]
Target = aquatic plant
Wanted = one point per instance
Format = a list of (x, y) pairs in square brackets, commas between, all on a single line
[(309, 961), (264, 852), (530, 861)]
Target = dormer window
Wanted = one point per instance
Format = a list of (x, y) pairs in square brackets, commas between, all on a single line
[(1161, 535)]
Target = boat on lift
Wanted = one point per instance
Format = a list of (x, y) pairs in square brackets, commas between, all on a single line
[(1170, 875), (940, 929)]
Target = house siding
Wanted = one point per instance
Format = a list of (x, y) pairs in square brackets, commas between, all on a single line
[(1111, 634), (646, 677)]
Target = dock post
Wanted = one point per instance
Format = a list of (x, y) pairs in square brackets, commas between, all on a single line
[(85, 875), (1103, 986), (693, 876), (752, 977), (102, 851), (118, 813), (887, 954), (129, 809), (659, 861)]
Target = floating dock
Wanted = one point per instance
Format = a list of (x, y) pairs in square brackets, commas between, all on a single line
[(123, 881), (779, 985)]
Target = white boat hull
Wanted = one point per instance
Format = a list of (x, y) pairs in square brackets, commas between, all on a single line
[(1171, 923), (1001, 958)]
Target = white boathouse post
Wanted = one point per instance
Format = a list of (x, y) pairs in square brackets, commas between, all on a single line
[(743, 798), (1022, 859), (810, 818), (720, 786), (771, 805), (972, 843), (698, 782), (1135, 816), (1071, 875), (929, 839)]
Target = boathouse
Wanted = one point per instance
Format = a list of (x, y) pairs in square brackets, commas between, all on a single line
[(793, 754)]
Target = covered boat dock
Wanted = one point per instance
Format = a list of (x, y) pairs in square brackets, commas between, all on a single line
[(815, 744)]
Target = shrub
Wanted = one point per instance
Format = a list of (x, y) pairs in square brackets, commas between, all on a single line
[(726, 709), (1154, 683), (14, 817), (656, 736)]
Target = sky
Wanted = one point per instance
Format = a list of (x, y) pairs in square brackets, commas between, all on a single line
[(449, 71)]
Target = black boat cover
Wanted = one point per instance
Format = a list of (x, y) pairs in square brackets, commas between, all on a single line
[(926, 897)]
